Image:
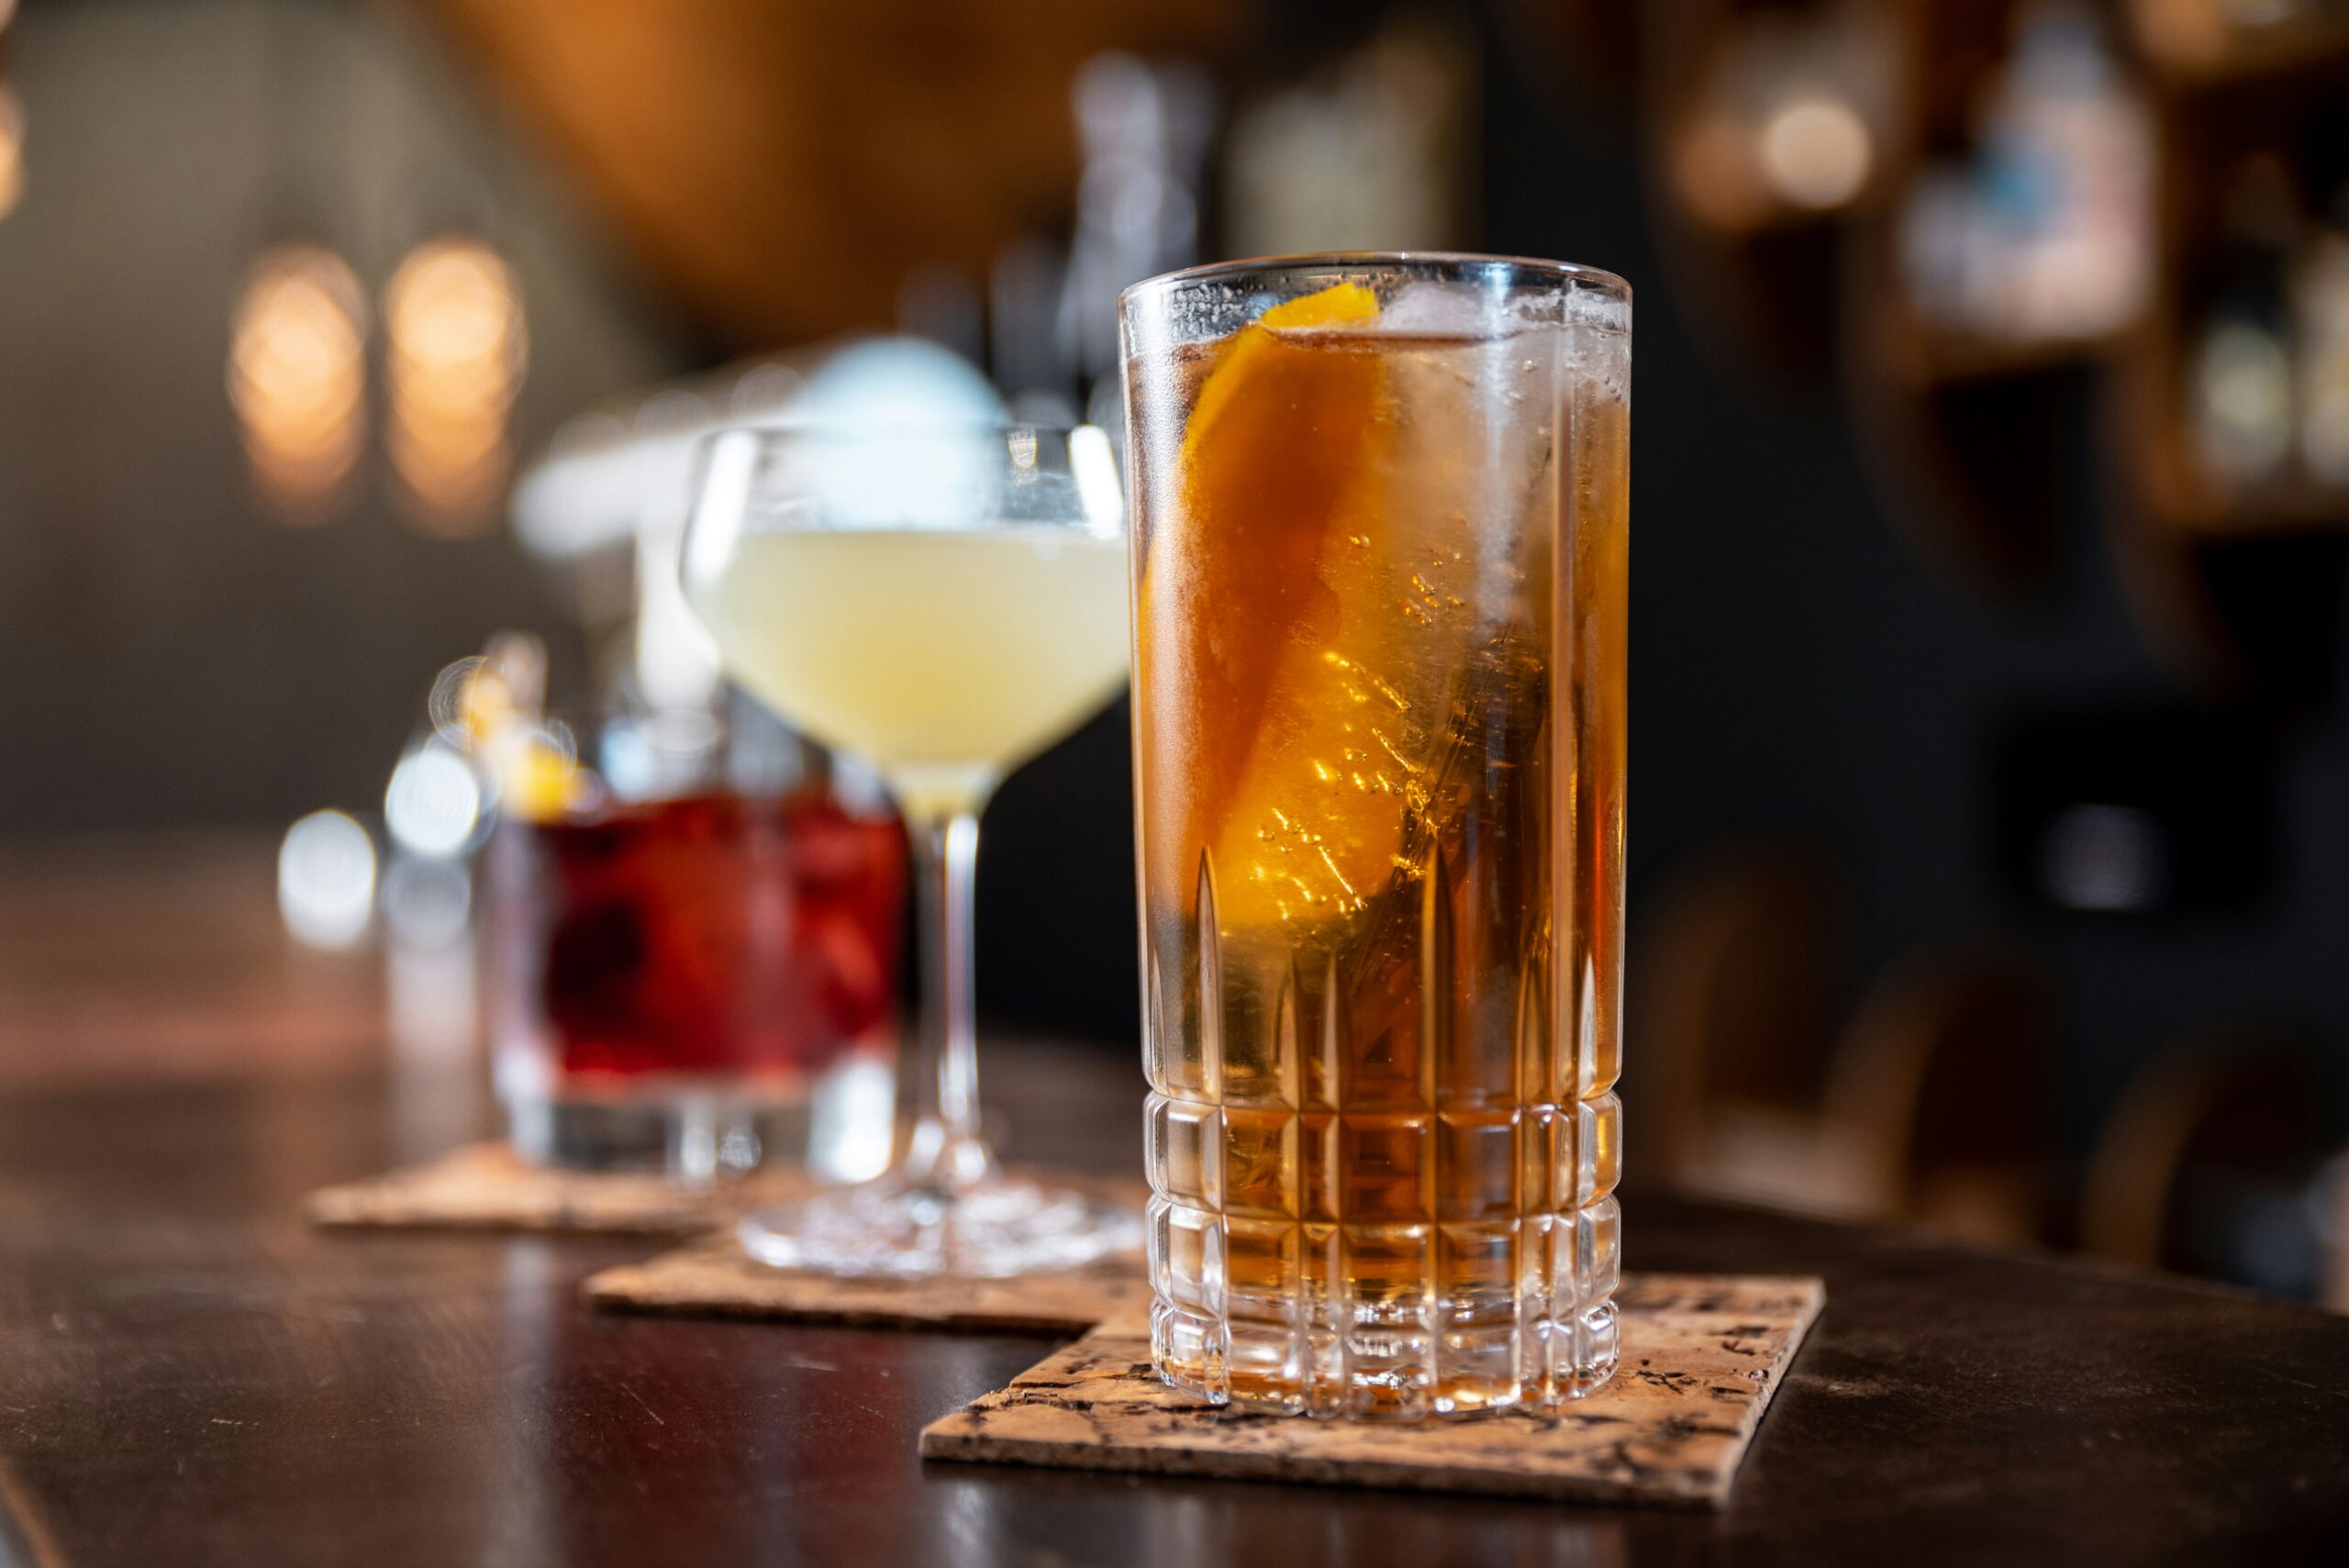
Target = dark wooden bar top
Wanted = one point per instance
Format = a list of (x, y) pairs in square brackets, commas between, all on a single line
[(189, 1376)]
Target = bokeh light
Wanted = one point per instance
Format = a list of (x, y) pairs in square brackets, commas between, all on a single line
[(1711, 163), (428, 903), (468, 702), (434, 803), (297, 376), (1094, 463), (326, 880), (537, 769), (2243, 380), (12, 140), (457, 348), (894, 382), (918, 413), (2324, 433), (2112, 857), (765, 391), (677, 663), (1815, 152)]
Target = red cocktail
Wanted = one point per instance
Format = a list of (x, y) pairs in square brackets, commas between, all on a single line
[(678, 972)]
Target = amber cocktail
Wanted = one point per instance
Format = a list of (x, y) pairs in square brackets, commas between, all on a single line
[(1379, 569)]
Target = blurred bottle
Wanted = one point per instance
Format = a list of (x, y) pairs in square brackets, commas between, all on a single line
[(2069, 143), (2240, 385), (2321, 301), (1368, 151), (1143, 126), (2046, 235)]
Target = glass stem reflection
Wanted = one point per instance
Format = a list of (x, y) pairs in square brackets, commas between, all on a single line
[(946, 1153)]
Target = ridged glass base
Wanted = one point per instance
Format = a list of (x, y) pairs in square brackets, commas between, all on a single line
[(1390, 1373), (1478, 1273)]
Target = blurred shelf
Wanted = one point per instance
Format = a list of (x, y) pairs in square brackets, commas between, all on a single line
[(2236, 589), (1989, 446), (2294, 510), (1770, 218), (1931, 357), (2312, 45), (1762, 267)]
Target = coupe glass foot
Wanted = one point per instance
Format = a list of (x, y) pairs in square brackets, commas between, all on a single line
[(998, 1227)]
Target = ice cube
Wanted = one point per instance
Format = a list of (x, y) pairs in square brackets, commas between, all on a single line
[(1434, 309), (1587, 307)]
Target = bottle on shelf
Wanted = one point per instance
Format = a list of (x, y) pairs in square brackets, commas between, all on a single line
[(2239, 381), (2321, 299), (2044, 233)]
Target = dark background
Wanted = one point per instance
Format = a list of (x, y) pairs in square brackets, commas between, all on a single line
[(1798, 671)]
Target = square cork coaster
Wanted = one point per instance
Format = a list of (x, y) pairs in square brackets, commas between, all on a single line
[(1701, 1356), (487, 1186), (716, 1278)]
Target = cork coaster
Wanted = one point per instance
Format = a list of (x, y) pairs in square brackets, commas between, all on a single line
[(1701, 1356), (487, 1186), (716, 1278)]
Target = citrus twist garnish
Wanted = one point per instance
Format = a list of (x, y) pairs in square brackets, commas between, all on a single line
[(1270, 631)]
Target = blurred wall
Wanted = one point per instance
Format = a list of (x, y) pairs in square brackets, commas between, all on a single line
[(172, 655)]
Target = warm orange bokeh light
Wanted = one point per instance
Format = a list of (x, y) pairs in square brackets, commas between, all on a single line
[(12, 140), (297, 375), (457, 347)]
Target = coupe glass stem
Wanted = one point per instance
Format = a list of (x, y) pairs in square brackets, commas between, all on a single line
[(946, 1153)]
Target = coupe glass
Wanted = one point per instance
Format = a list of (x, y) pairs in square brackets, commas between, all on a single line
[(945, 603)]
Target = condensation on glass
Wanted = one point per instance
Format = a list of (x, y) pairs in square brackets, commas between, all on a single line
[(1379, 578)]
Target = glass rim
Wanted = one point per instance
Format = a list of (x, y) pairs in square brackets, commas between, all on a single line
[(894, 428), (1536, 267), (1080, 453)]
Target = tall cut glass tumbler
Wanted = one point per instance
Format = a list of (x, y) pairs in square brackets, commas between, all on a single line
[(1379, 583)]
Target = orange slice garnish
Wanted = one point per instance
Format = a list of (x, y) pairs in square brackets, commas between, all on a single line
[(1293, 699)]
